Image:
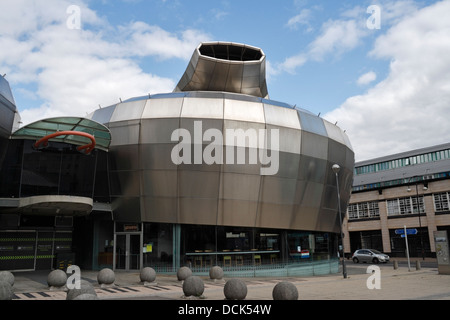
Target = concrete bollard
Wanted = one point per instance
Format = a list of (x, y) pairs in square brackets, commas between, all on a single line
[(285, 291), (6, 291), (148, 275), (8, 277), (57, 279), (216, 273), (106, 277), (183, 273), (395, 264), (235, 289), (193, 286), (86, 288), (418, 265)]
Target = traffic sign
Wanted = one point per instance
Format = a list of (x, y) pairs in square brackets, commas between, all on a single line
[(408, 231)]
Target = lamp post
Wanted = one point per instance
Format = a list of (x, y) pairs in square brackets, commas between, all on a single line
[(419, 212), (336, 169)]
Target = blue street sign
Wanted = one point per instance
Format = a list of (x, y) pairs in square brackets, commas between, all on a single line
[(408, 231)]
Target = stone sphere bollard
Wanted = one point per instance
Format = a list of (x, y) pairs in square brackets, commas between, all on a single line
[(193, 286), (148, 275), (85, 288), (235, 289), (183, 273), (86, 296), (7, 276), (106, 277), (216, 273), (285, 291), (6, 291), (57, 279)]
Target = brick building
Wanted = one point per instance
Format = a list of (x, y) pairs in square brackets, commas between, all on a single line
[(409, 189)]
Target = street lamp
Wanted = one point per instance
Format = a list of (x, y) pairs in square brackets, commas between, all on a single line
[(336, 169), (419, 212)]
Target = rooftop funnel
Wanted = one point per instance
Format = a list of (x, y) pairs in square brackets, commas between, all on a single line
[(228, 67)]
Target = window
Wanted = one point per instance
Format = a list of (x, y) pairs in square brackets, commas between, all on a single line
[(441, 202), (363, 210), (402, 206)]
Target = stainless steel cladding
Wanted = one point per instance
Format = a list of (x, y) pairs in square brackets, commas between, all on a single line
[(228, 67), (170, 159), (9, 119)]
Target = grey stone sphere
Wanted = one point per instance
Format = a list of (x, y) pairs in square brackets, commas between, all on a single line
[(7, 276), (216, 273), (57, 278), (193, 286), (6, 291), (106, 276), (285, 291), (183, 273), (85, 288), (148, 275), (235, 289), (86, 296)]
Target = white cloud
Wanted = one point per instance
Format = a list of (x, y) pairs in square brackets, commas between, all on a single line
[(408, 109), (76, 70), (336, 37), (300, 19), (366, 78)]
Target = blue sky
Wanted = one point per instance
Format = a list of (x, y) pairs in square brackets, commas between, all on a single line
[(389, 88)]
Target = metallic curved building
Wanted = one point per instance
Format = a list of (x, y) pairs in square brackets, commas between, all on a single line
[(213, 172), (224, 88)]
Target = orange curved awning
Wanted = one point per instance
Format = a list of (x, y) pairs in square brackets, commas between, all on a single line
[(87, 148)]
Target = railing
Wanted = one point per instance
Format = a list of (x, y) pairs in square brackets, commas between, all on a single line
[(249, 269)]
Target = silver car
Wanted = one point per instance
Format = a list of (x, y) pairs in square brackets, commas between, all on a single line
[(369, 255)]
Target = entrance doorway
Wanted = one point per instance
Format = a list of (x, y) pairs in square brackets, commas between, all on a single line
[(127, 250)]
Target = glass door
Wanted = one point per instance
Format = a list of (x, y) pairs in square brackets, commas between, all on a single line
[(120, 251), (127, 251)]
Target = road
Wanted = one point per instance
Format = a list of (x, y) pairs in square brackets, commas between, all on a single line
[(361, 268)]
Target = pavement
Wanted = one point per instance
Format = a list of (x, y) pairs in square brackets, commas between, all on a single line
[(386, 283)]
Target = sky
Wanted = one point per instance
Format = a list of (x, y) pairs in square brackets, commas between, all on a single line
[(380, 69)]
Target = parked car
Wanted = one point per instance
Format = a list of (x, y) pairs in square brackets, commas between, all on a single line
[(369, 255)]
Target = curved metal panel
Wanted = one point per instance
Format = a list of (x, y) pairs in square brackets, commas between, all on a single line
[(237, 213), (314, 145), (159, 209), (243, 111), (334, 132), (158, 130), (197, 211), (206, 108), (102, 115), (278, 190), (162, 108), (128, 111), (198, 184), (156, 156), (312, 123), (124, 133), (160, 183), (235, 186), (282, 117)]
